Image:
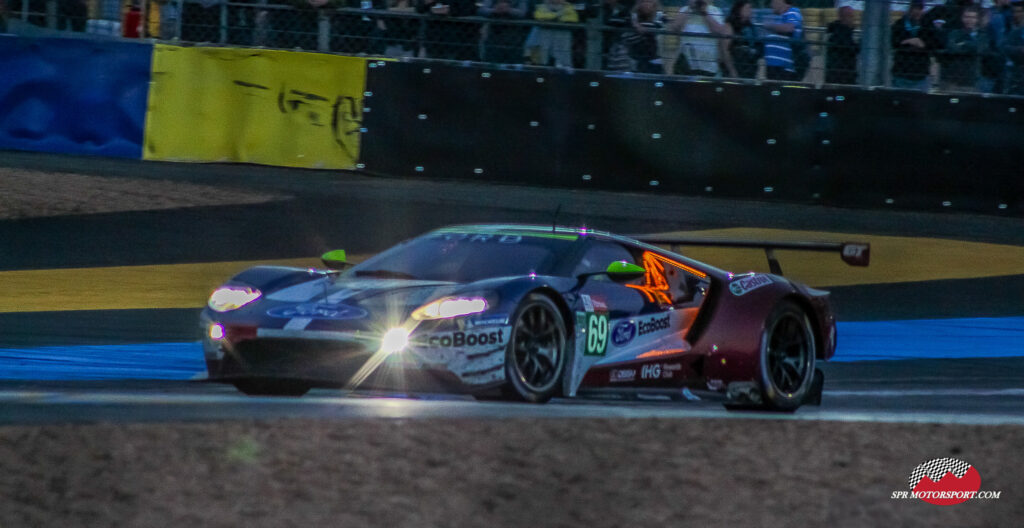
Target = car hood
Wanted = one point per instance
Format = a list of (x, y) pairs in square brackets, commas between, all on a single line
[(338, 297)]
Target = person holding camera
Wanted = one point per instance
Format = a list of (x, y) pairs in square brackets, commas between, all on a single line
[(699, 55)]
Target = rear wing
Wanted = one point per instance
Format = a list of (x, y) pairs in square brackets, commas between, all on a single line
[(852, 253)]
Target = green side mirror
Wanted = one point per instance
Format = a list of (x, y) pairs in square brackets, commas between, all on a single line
[(335, 259), (622, 271)]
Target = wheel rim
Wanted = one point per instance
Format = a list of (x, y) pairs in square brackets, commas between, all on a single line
[(537, 344), (789, 351)]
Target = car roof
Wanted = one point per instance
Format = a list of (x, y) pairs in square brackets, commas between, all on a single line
[(529, 230), (568, 233)]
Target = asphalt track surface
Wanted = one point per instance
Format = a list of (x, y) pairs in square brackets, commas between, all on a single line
[(365, 214)]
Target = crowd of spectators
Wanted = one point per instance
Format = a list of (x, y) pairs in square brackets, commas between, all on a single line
[(953, 46), (974, 49)]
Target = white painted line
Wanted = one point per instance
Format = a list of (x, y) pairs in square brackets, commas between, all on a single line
[(924, 392), (298, 323)]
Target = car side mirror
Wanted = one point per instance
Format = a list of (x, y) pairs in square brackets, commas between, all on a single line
[(622, 271), (335, 259)]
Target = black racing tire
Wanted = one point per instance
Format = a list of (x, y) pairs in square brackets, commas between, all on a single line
[(259, 387), (788, 350), (537, 351)]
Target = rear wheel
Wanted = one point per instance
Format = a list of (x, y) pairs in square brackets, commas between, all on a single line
[(536, 355), (257, 387), (787, 357)]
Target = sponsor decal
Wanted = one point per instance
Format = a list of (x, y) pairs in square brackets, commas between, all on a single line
[(463, 339), (320, 310), (742, 286), (482, 237), (650, 371), (599, 305), (596, 328), (621, 375), (623, 333), (298, 323), (716, 384), (671, 366), (855, 251), (944, 482), (588, 305), (653, 325), (490, 320)]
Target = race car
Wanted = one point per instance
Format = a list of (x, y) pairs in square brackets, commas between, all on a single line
[(527, 312)]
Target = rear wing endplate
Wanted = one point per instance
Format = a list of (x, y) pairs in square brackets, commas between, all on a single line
[(852, 253)]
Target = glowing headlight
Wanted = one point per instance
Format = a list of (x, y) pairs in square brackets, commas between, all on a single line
[(450, 307), (394, 340), (216, 332), (227, 298)]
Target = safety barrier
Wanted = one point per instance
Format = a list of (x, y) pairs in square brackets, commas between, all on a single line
[(882, 148), (73, 96), (255, 106), (578, 129)]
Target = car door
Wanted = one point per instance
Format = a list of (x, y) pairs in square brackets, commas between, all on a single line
[(632, 333)]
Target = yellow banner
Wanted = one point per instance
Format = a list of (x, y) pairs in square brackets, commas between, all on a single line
[(255, 106)]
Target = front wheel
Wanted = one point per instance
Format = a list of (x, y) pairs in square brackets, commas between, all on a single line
[(787, 357), (536, 355)]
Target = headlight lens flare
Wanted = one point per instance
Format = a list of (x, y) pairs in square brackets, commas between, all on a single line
[(394, 340)]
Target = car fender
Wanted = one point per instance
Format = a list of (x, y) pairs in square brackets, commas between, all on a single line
[(731, 342)]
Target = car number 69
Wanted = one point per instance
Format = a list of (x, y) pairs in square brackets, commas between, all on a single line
[(597, 334)]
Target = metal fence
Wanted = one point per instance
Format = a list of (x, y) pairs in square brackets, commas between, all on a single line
[(953, 47)]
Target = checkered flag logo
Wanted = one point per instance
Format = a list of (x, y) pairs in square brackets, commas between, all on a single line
[(936, 469)]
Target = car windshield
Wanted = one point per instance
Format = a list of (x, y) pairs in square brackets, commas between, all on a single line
[(467, 256)]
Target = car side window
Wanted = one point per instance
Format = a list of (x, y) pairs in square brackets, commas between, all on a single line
[(600, 254), (666, 281)]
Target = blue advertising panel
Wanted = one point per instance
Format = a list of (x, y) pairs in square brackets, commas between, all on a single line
[(73, 96)]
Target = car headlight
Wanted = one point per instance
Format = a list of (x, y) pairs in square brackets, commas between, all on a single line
[(227, 298), (448, 307)]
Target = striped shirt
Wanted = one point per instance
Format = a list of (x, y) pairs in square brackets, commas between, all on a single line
[(777, 49)]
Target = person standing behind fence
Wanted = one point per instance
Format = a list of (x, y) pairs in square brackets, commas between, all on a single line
[(642, 44), (298, 27), (942, 19), (965, 48), (401, 32), (912, 42), (547, 45), (778, 43), (445, 38), (358, 33), (504, 43), (72, 14), (699, 55), (614, 51), (841, 55), (1013, 47), (745, 48), (1000, 23), (200, 21)]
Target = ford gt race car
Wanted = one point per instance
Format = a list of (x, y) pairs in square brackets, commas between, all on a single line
[(526, 313)]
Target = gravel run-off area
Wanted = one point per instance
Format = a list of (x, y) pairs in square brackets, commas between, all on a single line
[(29, 193), (513, 472)]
